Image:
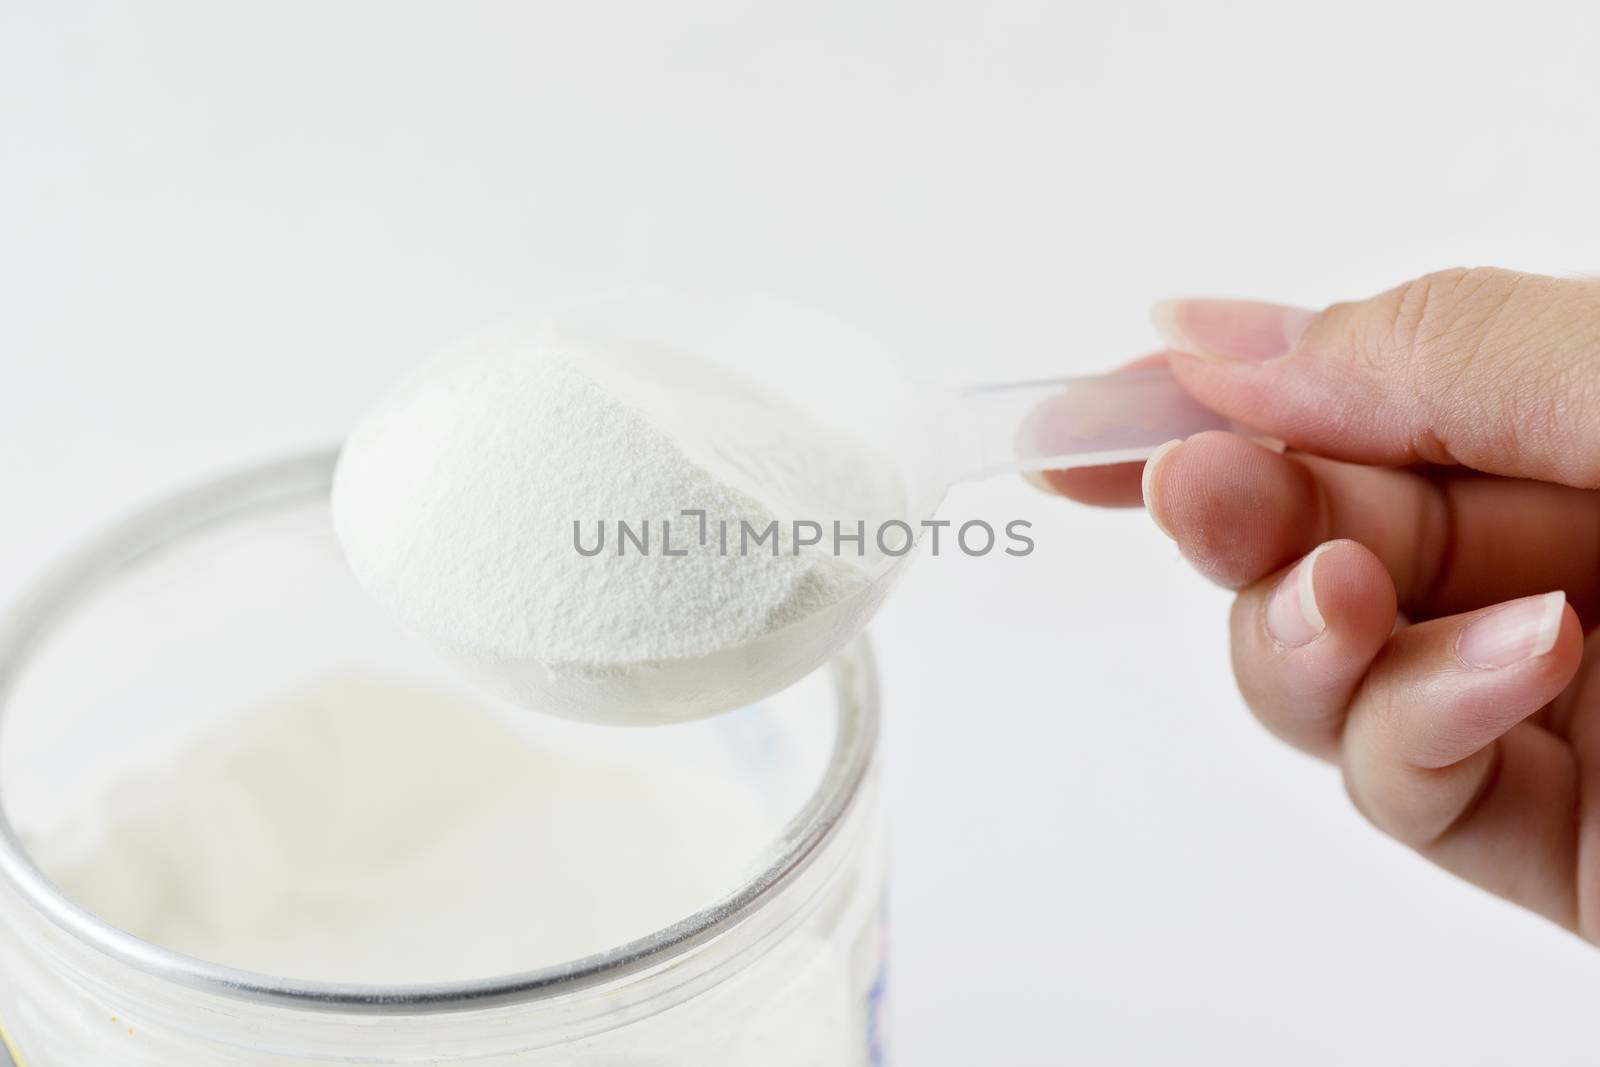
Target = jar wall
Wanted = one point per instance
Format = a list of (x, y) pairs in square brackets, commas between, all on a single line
[(813, 995), (788, 970)]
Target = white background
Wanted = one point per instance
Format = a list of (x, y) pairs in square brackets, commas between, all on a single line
[(224, 227)]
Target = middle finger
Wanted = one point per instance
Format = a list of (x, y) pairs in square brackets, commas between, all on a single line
[(1239, 511)]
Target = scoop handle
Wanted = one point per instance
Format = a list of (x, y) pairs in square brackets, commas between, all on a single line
[(1091, 421)]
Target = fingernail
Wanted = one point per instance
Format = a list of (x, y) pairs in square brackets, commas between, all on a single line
[(1293, 618), (1513, 632), (1147, 484), (1237, 330)]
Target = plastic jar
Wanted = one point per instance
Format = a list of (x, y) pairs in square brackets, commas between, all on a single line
[(182, 615)]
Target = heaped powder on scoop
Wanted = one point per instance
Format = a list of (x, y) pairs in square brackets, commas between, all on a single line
[(456, 498)]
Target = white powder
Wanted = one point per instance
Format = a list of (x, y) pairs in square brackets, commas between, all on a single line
[(366, 831), (363, 830), (456, 498)]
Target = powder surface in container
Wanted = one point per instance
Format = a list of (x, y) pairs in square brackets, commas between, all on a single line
[(463, 498), (367, 831)]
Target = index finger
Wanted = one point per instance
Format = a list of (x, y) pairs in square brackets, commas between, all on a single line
[(1489, 369)]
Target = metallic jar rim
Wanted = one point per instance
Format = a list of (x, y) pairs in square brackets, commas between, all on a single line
[(262, 488)]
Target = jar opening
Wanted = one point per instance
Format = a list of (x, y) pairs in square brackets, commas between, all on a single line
[(267, 490)]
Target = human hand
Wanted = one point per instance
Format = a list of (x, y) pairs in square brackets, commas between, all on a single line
[(1412, 571)]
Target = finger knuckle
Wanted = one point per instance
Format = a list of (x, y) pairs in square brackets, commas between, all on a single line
[(1388, 801), (1444, 318), (1415, 803), (1448, 339)]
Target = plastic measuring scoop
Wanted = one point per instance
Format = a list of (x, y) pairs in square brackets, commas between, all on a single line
[(930, 437), (1090, 421)]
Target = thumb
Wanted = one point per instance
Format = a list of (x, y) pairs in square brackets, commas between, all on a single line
[(1490, 369)]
